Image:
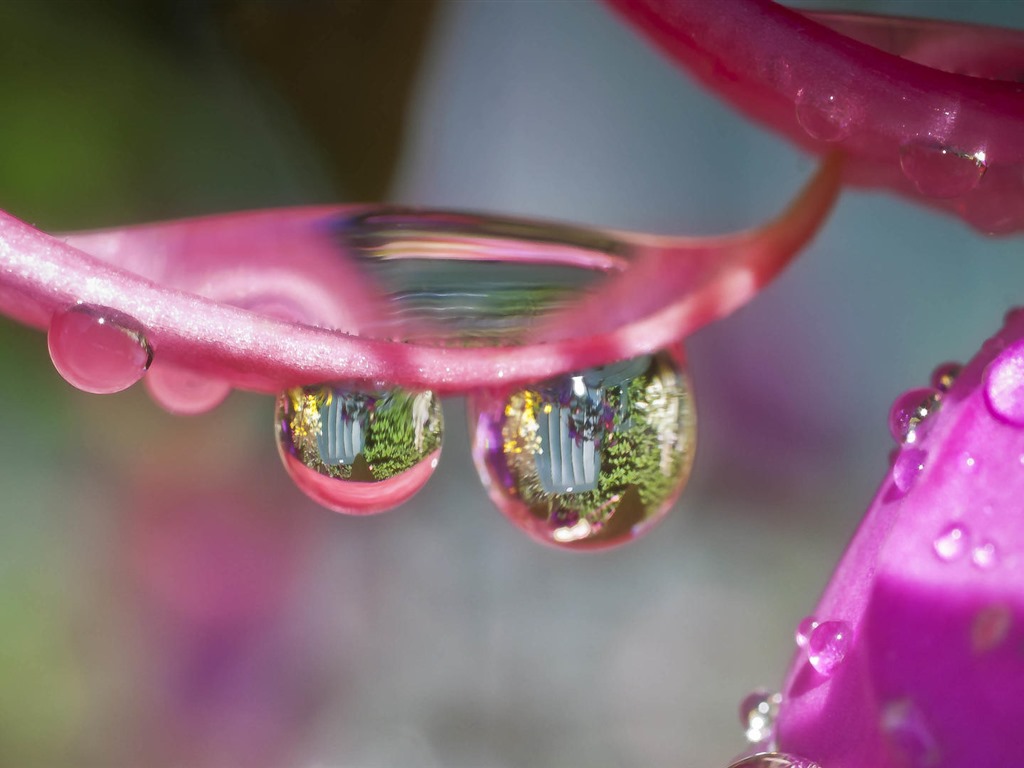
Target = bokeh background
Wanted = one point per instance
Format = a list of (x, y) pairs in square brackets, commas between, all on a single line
[(167, 598)]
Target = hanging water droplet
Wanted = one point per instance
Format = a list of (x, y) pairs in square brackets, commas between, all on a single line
[(1004, 385), (185, 392), (984, 555), (909, 413), (944, 376), (804, 629), (951, 543), (825, 116), (358, 451), (589, 460), (774, 760), (758, 711), (940, 171), (828, 645), (908, 466), (98, 350)]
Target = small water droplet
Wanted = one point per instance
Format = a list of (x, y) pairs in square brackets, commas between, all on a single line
[(774, 760), (804, 629), (990, 627), (907, 468), (758, 711), (940, 171), (908, 417), (908, 734), (588, 460), (825, 116), (98, 350), (358, 451), (951, 543), (985, 555), (1004, 385), (185, 392), (944, 376), (968, 464), (828, 645)]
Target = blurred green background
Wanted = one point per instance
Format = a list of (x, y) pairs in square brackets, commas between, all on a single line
[(168, 599)]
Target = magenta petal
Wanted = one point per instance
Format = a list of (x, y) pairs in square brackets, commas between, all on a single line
[(932, 589), (930, 110)]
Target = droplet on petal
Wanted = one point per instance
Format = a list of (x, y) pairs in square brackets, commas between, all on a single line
[(758, 711), (98, 350), (908, 466), (951, 543), (939, 171), (944, 376), (985, 555), (825, 116), (774, 760), (828, 645), (358, 451), (804, 629), (185, 392), (589, 460), (909, 413), (1004, 385)]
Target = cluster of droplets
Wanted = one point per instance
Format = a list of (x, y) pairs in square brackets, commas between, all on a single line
[(758, 712)]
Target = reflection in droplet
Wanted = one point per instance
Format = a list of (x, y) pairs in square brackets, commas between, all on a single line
[(758, 711), (97, 349), (984, 555), (944, 376), (588, 460), (804, 629), (1004, 385), (358, 451), (185, 392), (825, 116), (908, 466), (908, 417), (774, 760), (828, 645), (939, 171), (951, 543)]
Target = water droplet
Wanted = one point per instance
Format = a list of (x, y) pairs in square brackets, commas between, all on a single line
[(985, 555), (940, 171), (588, 460), (758, 711), (98, 350), (774, 760), (909, 413), (828, 645), (1004, 385), (358, 451), (907, 467), (804, 629), (908, 734), (185, 392), (944, 376), (990, 628), (951, 543), (968, 464), (825, 116)]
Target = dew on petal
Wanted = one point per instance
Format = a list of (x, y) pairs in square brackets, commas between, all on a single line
[(951, 543), (804, 629), (985, 555), (944, 376), (774, 760), (968, 464), (758, 711), (939, 171), (1004, 385), (825, 116), (828, 645), (589, 460), (908, 417), (185, 392), (358, 451), (98, 350), (908, 466)]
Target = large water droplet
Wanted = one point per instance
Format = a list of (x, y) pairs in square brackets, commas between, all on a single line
[(588, 460), (908, 417), (98, 350), (951, 543), (908, 466), (825, 116), (774, 760), (1004, 385), (828, 645), (358, 451), (804, 629), (185, 392), (758, 711), (944, 376), (940, 171)]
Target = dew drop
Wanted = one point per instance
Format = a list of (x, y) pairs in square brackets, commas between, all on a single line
[(758, 711), (944, 376), (940, 171), (951, 543), (589, 460), (804, 629), (828, 645), (984, 555), (1004, 385), (825, 116), (909, 413), (774, 760), (358, 451), (97, 349), (968, 464), (908, 466), (185, 392)]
